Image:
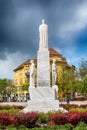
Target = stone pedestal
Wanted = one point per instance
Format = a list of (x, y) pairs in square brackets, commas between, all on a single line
[(43, 68), (42, 99)]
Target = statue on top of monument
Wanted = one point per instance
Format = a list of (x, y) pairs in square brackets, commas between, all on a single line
[(43, 32), (32, 74), (54, 72)]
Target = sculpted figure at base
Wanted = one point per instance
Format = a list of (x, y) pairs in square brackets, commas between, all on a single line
[(32, 74), (43, 32), (54, 72)]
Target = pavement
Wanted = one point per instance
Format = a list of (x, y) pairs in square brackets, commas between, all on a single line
[(25, 103)]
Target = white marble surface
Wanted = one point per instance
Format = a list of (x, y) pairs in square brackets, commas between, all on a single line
[(43, 68), (43, 32), (42, 99)]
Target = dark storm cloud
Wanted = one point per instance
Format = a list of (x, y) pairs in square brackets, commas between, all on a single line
[(19, 21)]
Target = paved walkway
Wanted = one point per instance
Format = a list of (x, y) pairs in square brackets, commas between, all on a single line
[(25, 103), (13, 103), (76, 102)]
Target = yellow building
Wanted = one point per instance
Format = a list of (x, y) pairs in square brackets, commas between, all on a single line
[(21, 75)]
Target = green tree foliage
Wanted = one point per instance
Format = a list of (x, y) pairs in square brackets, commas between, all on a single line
[(83, 68), (67, 83), (24, 87), (83, 75), (6, 87)]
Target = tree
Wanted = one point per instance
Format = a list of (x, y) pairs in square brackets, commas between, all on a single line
[(67, 83), (6, 87), (83, 75), (83, 68)]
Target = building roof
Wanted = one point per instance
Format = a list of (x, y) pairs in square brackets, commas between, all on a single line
[(26, 62), (52, 52)]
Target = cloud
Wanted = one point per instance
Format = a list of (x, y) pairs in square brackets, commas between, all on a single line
[(19, 23), (10, 63), (77, 20)]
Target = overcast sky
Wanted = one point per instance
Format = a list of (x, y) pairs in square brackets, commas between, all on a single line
[(19, 35)]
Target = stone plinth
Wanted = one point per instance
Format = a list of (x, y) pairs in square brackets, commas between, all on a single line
[(43, 68), (42, 100)]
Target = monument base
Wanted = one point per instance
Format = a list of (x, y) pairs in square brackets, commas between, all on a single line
[(42, 100), (43, 68)]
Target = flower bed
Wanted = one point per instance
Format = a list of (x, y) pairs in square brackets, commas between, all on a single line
[(47, 120), (29, 119), (71, 106)]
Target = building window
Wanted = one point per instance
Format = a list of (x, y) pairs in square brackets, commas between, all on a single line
[(21, 72), (21, 81)]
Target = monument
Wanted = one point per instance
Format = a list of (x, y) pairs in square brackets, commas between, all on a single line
[(43, 97), (43, 65)]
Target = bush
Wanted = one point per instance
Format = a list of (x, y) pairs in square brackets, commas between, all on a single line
[(11, 110), (29, 119), (81, 126), (73, 118), (22, 127), (5, 119), (1, 127), (70, 117), (9, 107), (84, 117), (19, 107), (79, 109), (5, 107), (68, 106), (11, 127), (43, 118), (58, 118)]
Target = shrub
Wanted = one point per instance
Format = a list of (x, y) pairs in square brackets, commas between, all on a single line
[(19, 107), (58, 118), (22, 127), (84, 117), (9, 107), (43, 118), (68, 106), (73, 118), (1, 127), (5, 119), (83, 106), (79, 109), (29, 119), (11, 127), (81, 126), (11, 110), (5, 107)]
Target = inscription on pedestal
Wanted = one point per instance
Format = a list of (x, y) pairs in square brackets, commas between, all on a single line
[(43, 83)]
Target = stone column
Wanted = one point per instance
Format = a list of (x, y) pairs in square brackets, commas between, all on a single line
[(43, 65)]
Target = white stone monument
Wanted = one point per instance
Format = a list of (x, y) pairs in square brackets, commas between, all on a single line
[(43, 98), (54, 72), (32, 74), (43, 65)]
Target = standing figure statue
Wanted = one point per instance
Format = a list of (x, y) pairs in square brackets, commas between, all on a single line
[(32, 74), (43, 32), (54, 72)]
